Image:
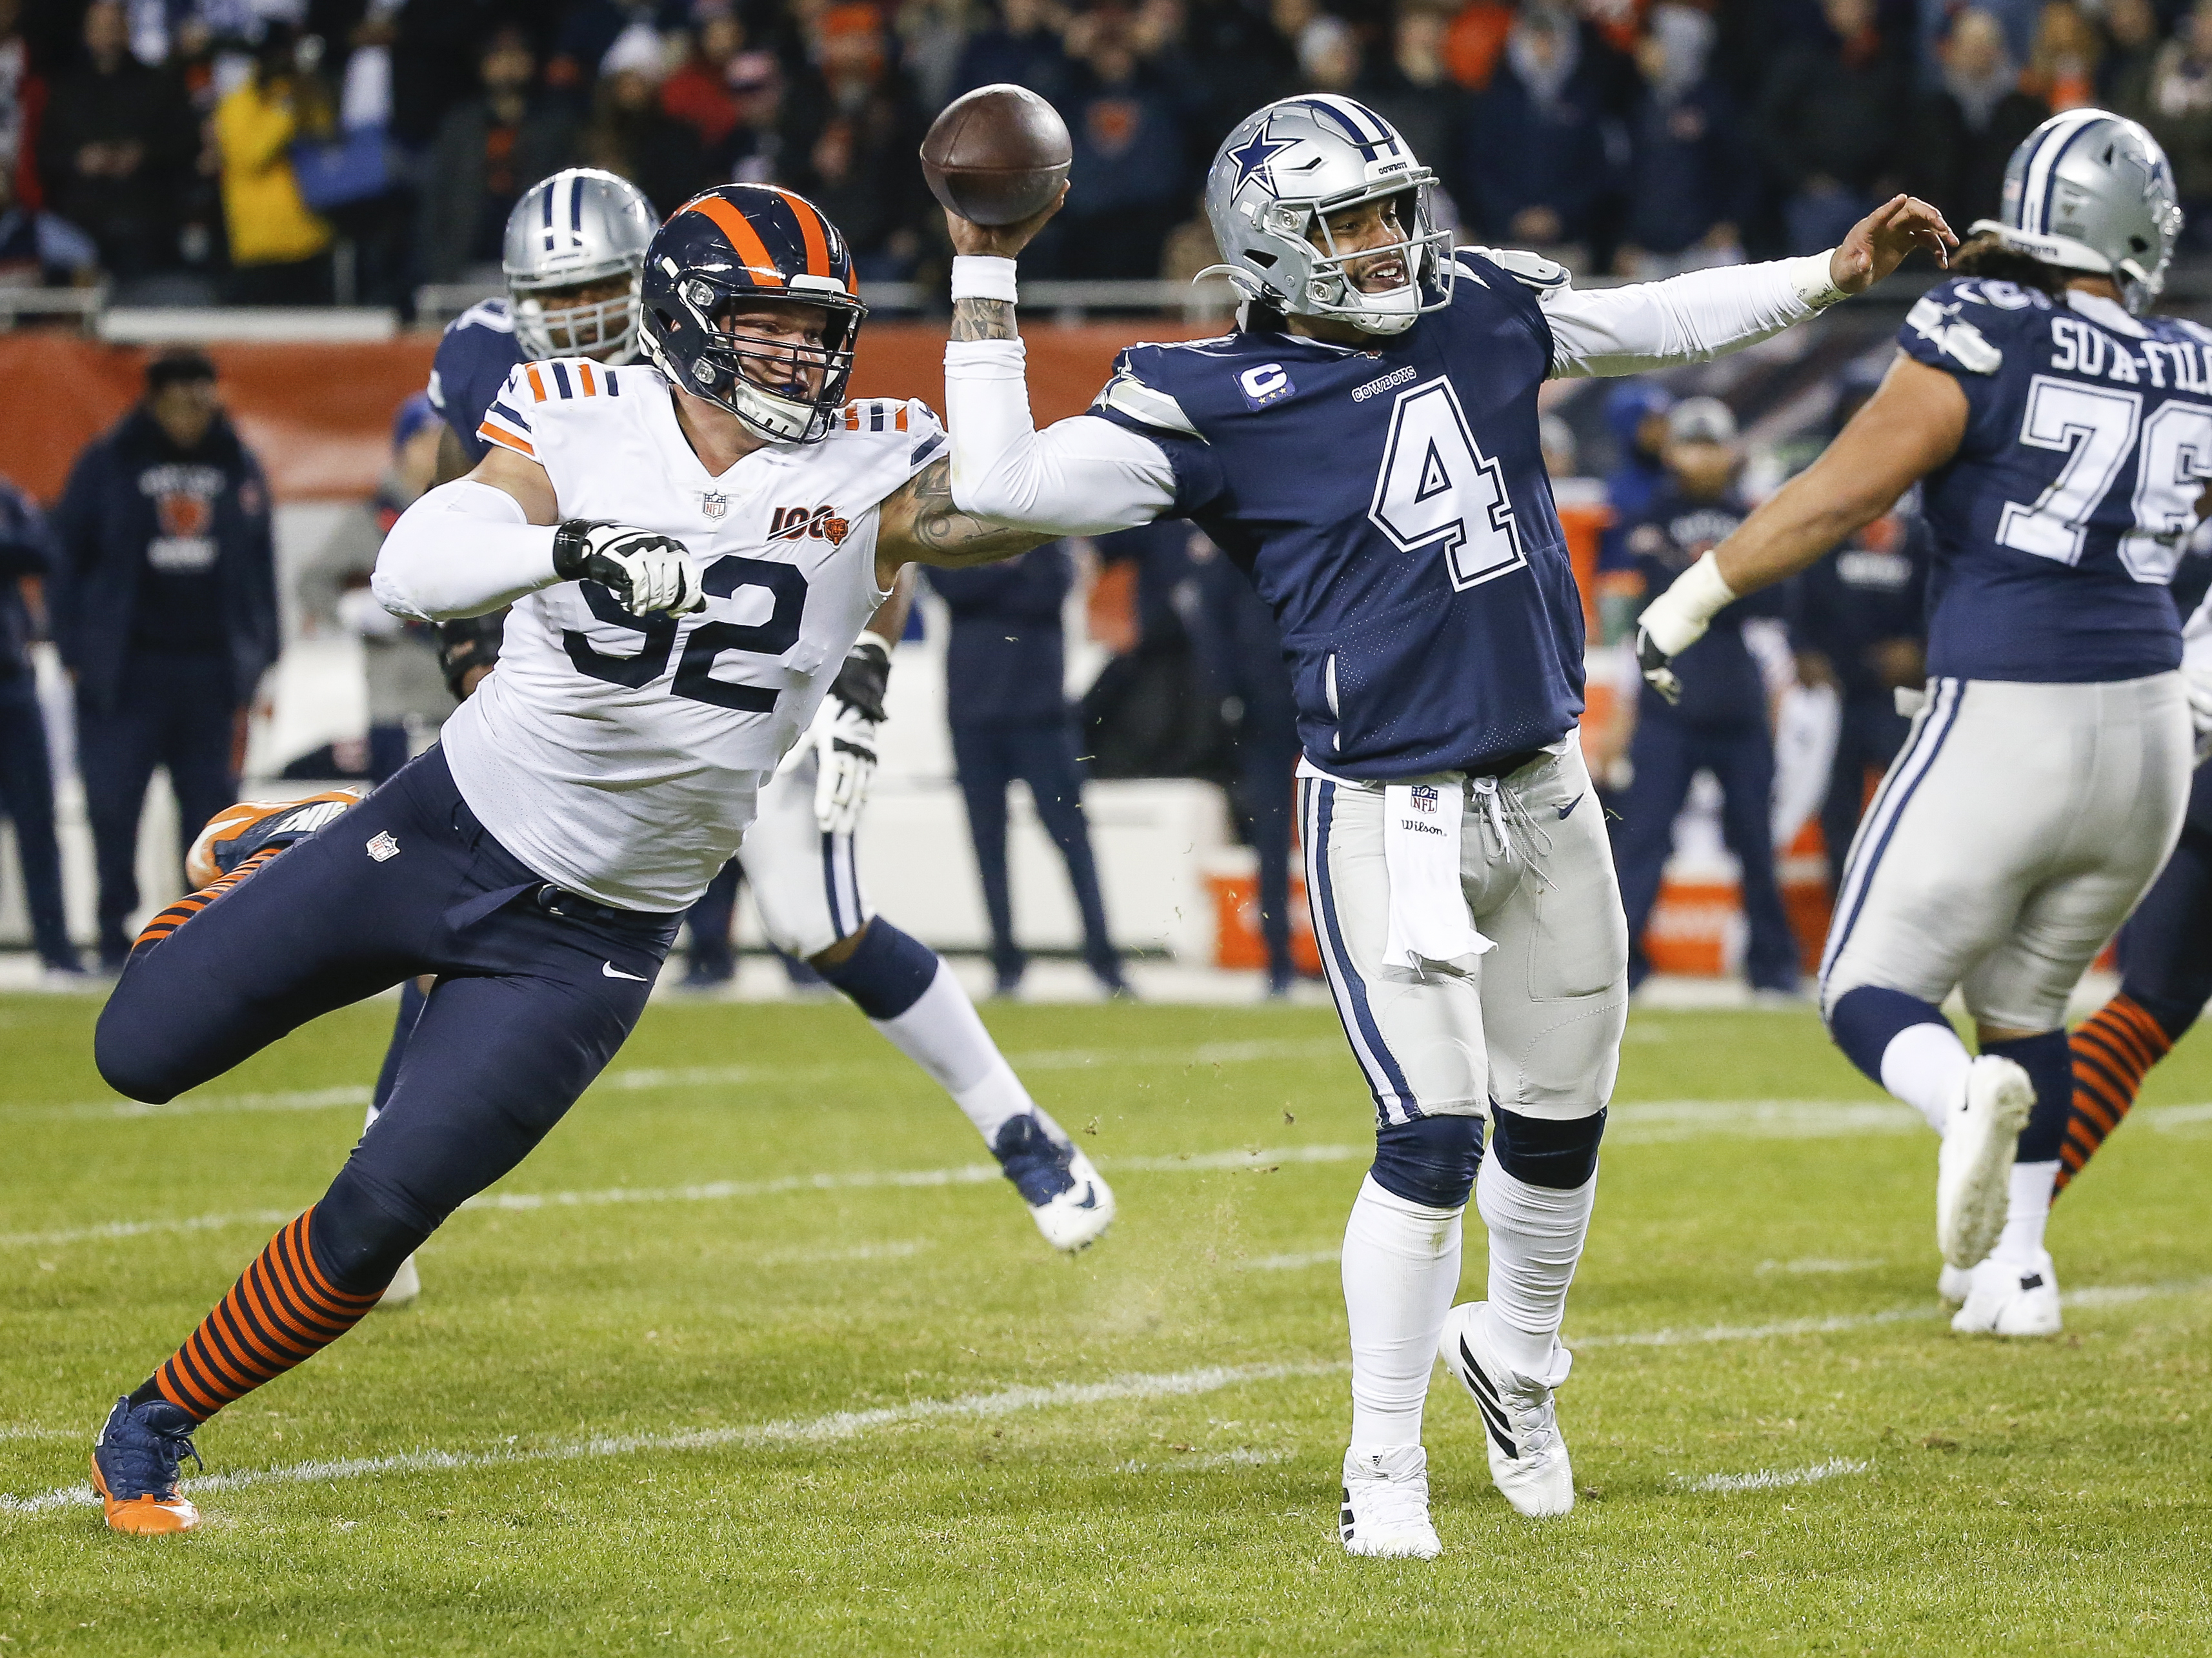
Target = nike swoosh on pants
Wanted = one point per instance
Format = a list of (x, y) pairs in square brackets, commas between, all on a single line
[(613, 972)]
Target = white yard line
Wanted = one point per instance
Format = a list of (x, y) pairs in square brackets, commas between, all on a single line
[(1291, 1263), (645, 1078), (846, 1425), (767, 1435), (1768, 1479)]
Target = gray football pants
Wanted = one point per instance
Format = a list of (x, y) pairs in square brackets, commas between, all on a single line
[(1537, 1026)]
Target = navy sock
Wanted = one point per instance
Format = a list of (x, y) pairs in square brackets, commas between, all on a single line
[(886, 973), (1863, 1021), (2049, 1061), (1545, 1151), (1432, 1160)]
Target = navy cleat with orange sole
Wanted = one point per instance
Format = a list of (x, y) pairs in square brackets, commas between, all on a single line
[(136, 1464), (237, 833)]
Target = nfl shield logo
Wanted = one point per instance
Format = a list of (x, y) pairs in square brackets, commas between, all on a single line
[(382, 846), (713, 504)]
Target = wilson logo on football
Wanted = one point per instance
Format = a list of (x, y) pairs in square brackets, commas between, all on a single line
[(821, 523)]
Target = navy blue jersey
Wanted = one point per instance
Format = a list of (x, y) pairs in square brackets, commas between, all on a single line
[(1722, 688), (1862, 596), (476, 354), (1392, 507), (2058, 522)]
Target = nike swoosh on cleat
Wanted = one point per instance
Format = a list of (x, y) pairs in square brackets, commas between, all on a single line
[(613, 972), (1089, 1198), (1566, 810)]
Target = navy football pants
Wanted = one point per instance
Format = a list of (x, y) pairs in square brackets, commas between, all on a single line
[(2165, 948), (531, 1002), (1668, 753)]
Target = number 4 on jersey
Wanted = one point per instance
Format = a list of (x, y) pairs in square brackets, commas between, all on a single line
[(1437, 488)]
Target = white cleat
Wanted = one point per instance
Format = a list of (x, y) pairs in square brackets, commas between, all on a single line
[(1385, 1513), (2011, 1299), (1069, 1202), (1954, 1283), (406, 1285), (1973, 1170), (1528, 1458), (1075, 1218)]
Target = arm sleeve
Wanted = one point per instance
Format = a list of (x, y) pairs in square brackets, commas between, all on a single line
[(1691, 319), (1083, 476), (463, 549)]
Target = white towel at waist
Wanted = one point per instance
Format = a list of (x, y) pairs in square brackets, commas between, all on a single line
[(1431, 932)]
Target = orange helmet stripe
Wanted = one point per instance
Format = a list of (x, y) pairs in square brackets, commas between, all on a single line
[(752, 251), (810, 230)]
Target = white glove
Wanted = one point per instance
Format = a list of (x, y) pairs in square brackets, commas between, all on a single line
[(645, 571), (1677, 619), (361, 613), (845, 735)]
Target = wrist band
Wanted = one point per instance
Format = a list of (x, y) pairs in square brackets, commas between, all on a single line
[(875, 639), (1814, 277), (982, 276)]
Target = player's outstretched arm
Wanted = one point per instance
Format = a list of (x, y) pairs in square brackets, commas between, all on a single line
[(1910, 426), (487, 539), (1708, 313), (922, 524), (1083, 475)]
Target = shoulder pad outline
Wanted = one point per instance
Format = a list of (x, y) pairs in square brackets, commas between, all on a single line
[(1125, 394), (1532, 271)]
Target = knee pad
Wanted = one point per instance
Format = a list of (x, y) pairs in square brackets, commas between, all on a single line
[(1545, 1151), (886, 973), (358, 1242), (1430, 1160), (1863, 1020)]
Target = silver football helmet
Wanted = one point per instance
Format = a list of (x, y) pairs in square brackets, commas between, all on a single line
[(580, 225), (1277, 178), (2091, 191)]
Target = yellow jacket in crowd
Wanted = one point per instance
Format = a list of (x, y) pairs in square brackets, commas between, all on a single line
[(269, 223)]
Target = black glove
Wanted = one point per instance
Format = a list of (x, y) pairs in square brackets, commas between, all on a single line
[(645, 571), (467, 645), (862, 682), (1657, 665)]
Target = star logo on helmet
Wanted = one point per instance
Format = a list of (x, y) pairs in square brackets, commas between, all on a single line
[(1252, 157)]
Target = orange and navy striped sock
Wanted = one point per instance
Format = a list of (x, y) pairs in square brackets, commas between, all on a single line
[(282, 1311), (191, 904), (2113, 1050)]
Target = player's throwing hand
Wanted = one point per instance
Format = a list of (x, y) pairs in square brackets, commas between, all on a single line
[(645, 571), (1878, 243)]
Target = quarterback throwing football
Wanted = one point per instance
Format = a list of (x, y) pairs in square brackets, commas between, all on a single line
[(1365, 446), (667, 646)]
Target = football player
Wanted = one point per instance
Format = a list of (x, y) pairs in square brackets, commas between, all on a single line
[(1365, 446), (2063, 437), (666, 648), (574, 258)]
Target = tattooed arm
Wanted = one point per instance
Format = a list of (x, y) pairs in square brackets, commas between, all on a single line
[(922, 526), (1081, 477)]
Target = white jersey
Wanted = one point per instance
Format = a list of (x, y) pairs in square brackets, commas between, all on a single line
[(621, 758)]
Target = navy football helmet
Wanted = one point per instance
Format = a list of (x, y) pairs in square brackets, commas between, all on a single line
[(739, 245)]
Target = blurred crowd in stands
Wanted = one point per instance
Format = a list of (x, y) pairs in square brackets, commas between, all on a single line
[(264, 151)]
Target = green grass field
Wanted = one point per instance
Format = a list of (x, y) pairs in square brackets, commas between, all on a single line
[(751, 1356)]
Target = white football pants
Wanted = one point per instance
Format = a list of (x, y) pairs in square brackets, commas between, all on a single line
[(2016, 829)]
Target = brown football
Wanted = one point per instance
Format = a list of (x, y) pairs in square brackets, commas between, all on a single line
[(997, 156)]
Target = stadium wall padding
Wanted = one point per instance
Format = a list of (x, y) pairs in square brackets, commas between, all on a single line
[(319, 417)]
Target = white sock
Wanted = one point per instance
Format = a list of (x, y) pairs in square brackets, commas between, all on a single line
[(1925, 1066), (1536, 1236), (370, 1122), (1401, 1272), (2027, 1210), (943, 1033)]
